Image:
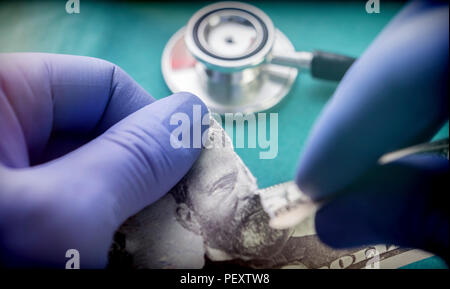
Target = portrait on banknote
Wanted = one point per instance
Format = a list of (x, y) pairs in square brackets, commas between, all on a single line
[(214, 218)]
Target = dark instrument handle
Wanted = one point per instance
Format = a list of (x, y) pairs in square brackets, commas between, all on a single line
[(330, 66)]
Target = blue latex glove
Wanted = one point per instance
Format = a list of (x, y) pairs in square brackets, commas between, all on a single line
[(394, 96), (121, 159)]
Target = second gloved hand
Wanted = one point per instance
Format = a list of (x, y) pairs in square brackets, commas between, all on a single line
[(394, 96)]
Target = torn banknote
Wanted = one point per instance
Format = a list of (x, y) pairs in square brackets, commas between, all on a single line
[(214, 217)]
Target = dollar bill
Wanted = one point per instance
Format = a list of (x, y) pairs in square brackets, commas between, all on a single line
[(216, 217)]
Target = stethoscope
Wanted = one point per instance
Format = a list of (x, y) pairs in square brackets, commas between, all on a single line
[(233, 58)]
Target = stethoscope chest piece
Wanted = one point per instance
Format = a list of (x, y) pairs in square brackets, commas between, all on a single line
[(223, 56)]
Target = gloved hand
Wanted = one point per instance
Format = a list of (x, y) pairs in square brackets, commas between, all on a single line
[(395, 95), (120, 159)]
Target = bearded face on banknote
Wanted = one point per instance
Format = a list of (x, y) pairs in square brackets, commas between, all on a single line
[(215, 213), (225, 210)]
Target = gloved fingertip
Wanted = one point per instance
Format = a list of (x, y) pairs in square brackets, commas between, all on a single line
[(189, 97), (188, 108), (187, 102)]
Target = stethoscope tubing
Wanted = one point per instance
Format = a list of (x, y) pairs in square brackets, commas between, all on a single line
[(322, 65)]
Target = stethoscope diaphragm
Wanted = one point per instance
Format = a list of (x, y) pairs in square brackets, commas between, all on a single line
[(231, 56)]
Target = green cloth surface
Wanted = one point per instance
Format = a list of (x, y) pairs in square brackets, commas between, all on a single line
[(133, 35)]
